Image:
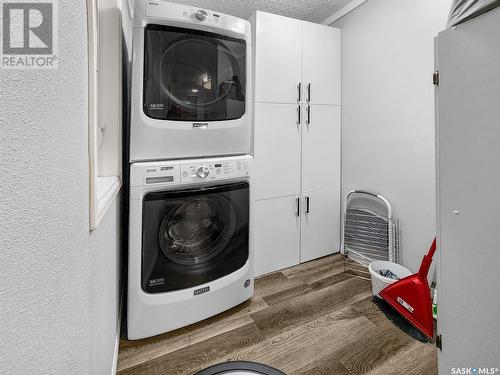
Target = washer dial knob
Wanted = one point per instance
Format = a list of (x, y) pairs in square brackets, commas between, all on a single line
[(201, 15), (202, 172)]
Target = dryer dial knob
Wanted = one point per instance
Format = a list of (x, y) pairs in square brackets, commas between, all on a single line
[(202, 172), (201, 15)]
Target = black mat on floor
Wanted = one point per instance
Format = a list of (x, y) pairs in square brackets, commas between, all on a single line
[(239, 367)]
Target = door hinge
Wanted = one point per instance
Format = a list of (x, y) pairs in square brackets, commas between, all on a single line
[(435, 78), (439, 342)]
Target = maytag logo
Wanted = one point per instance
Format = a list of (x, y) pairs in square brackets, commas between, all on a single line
[(202, 125), (201, 290)]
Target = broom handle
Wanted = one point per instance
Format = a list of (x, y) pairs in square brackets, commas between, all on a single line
[(426, 262)]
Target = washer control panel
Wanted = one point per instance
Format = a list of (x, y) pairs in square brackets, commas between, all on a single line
[(203, 171), (211, 170), (161, 173), (177, 172)]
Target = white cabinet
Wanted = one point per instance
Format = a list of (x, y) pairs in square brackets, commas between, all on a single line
[(321, 63), (320, 220), (278, 63), (278, 226), (296, 141), (276, 141), (321, 148)]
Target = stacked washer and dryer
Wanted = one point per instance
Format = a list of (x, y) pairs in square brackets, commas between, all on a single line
[(190, 214)]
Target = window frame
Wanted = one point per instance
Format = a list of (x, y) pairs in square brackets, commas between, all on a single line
[(105, 106)]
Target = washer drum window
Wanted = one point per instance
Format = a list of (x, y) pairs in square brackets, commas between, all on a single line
[(194, 236)]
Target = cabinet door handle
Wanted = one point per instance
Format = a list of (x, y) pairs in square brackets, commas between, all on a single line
[(308, 114), (299, 91), (297, 207), (299, 114), (308, 205), (308, 92)]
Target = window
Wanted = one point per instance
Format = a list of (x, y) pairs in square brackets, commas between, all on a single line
[(105, 105)]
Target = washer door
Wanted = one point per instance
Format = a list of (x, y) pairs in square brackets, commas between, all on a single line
[(191, 75), (194, 236), (198, 229)]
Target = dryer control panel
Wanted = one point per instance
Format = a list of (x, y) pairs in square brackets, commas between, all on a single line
[(211, 170), (160, 9)]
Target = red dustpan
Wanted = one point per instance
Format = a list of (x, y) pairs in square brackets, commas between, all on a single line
[(411, 297)]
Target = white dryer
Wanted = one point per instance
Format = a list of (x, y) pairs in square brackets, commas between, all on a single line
[(191, 83), (190, 243)]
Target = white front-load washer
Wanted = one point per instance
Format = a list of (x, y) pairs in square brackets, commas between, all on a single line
[(190, 242), (191, 83)]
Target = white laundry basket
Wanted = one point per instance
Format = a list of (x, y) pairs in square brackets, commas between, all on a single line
[(379, 282)]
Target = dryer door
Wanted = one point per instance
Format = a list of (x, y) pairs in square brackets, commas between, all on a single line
[(192, 237), (191, 75)]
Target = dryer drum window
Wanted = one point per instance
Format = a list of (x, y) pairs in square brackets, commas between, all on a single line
[(191, 75), (194, 236)]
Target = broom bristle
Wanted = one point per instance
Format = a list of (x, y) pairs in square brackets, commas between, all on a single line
[(400, 321)]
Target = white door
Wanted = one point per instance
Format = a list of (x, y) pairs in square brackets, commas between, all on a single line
[(277, 150), (321, 148), (320, 224), (321, 63), (278, 58), (468, 158), (277, 234)]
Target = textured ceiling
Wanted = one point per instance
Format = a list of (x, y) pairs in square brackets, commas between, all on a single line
[(309, 10)]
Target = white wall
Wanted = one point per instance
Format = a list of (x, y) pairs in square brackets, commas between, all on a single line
[(58, 282), (388, 110), (105, 278)]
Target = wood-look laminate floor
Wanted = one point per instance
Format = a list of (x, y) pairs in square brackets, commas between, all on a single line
[(310, 319)]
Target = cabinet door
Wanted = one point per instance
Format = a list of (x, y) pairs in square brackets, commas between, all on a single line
[(278, 58), (320, 224), (321, 63), (277, 234), (277, 150), (321, 148)]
